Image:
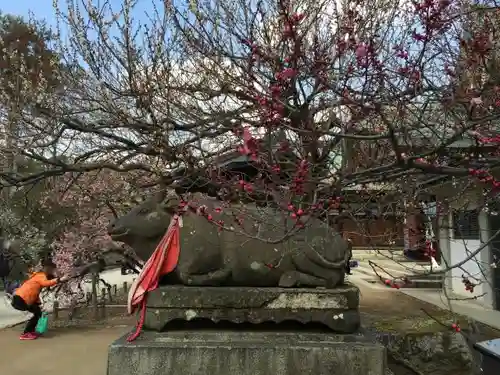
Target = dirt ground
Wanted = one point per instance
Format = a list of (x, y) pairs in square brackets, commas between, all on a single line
[(386, 310), (81, 349), (392, 311)]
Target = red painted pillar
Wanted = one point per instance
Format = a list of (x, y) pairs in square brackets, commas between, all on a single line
[(412, 230)]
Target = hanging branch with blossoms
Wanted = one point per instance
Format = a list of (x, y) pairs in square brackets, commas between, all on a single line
[(89, 202), (350, 95), (315, 80)]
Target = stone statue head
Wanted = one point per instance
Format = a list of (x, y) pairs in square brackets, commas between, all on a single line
[(144, 225)]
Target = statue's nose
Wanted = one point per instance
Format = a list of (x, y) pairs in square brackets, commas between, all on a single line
[(115, 228)]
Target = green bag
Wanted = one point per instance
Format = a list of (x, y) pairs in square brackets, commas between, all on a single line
[(43, 324)]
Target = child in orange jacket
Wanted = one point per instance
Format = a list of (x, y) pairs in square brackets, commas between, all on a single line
[(27, 296)]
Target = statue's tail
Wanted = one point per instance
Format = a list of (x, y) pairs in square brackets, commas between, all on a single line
[(162, 261)]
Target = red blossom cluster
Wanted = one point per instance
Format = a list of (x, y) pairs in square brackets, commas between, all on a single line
[(434, 17), (392, 284), (245, 186), (469, 285), (456, 327), (429, 248), (300, 178), (494, 139), (485, 177), (250, 145), (202, 211)]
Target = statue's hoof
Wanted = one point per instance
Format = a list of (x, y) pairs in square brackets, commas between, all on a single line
[(332, 283), (287, 280)]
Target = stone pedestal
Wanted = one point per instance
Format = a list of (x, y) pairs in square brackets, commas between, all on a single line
[(336, 308), (249, 349), (246, 353)]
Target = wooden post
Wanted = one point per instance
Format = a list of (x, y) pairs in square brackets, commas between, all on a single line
[(95, 302), (103, 303), (115, 290), (56, 310), (88, 297), (103, 310), (125, 287), (72, 311), (110, 295)]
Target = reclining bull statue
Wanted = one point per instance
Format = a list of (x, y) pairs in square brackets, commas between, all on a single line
[(256, 248)]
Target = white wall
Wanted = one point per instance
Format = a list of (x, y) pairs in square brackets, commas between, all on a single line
[(444, 245), (457, 250)]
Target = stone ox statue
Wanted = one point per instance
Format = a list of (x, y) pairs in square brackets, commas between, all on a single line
[(313, 256)]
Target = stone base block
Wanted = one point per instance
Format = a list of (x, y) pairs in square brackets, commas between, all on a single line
[(246, 353), (335, 308)]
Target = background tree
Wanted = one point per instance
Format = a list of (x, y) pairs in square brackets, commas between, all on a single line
[(28, 72)]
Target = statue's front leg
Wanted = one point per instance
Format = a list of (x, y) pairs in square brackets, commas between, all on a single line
[(331, 276), (297, 279), (214, 278)]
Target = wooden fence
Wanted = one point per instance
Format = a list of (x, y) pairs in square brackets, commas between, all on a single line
[(97, 300)]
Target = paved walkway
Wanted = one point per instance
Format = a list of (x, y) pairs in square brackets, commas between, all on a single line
[(387, 269), (62, 352), (9, 316)]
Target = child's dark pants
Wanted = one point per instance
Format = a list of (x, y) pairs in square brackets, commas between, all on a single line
[(19, 304)]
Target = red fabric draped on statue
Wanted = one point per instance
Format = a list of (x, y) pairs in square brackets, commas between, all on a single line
[(162, 261)]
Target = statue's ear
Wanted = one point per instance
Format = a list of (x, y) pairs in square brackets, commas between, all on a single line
[(170, 202)]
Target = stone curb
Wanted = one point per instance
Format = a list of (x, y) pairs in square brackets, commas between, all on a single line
[(12, 325)]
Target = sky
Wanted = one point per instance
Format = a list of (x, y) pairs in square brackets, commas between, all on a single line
[(42, 9)]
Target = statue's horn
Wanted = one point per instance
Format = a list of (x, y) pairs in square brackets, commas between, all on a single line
[(171, 200)]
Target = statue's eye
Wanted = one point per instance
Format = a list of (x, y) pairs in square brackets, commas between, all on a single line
[(143, 211)]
